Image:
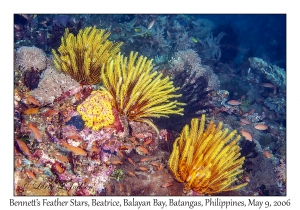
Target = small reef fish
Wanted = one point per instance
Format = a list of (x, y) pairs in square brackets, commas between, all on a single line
[(247, 122), (267, 154), (75, 150), (32, 100), (23, 147), (61, 158), (30, 174), (195, 40), (246, 135), (168, 184), (143, 149), (131, 174), (58, 168), (251, 111), (261, 127), (234, 102), (31, 111), (142, 168), (147, 142), (35, 131), (144, 159), (131, 161), (270, 85), (94, 149), (115, 162), (50, 113), (154, 163), (151, 24)]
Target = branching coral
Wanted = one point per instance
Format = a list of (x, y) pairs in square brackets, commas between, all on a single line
[(83, 56), (206, 159), (96, 110), (138, 93)]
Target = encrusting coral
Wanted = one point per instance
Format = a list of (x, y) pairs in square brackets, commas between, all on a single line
[(96, 110), (30, 57), (207, 160), (83, 56), (138, 93)]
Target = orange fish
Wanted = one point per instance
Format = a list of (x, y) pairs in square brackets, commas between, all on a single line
[(120, 154), (94, 149), (242, 124), (58, 168), (243, 120), (261, 127), (31, 100), (168, 184), (246, 135), (160, 167), (139, 135), (23, 147), (131, 161), (61, 158), (267, 154), (35, 131), (144, 159), (251, 111), (154, 163), (30, 174), (131, 174), (115, 162), (247, 179), (75, 150), (143, 168), (234, 102), (147, 142), (270, 85), (120, 187), (50, 113), (143, 149), (18, 162), (31, 111)]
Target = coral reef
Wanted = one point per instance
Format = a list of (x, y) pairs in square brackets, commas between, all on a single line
[(96, 110), (138, 93), (211, 47), (207, 160), (196, 97), (113, 134), (83, 56), (30, 57), (189, 60), (53, 83), (273, 73)]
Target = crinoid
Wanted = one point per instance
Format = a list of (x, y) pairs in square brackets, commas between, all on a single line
[(207, 160), (138, 92), (82, 56)]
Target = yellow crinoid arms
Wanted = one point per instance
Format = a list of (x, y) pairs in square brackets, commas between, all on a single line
[(82, 56), (208, 161), (138, 92)]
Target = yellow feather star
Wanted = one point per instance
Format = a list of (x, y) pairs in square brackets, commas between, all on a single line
[(83, 56), (206, 160), (138, 92)]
